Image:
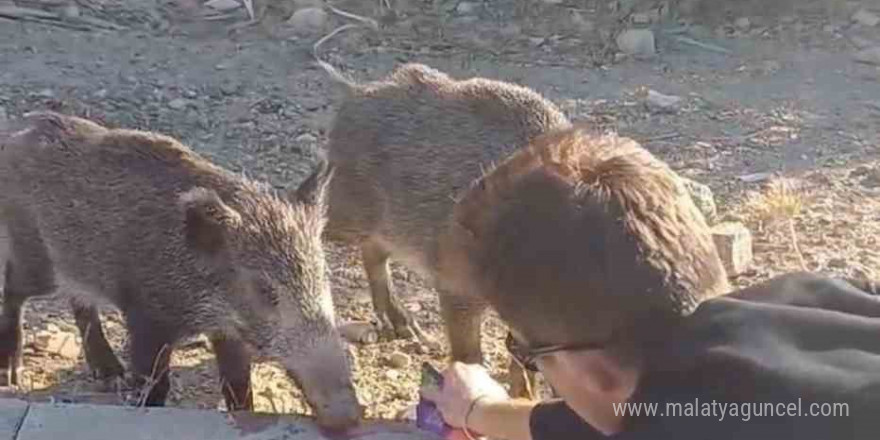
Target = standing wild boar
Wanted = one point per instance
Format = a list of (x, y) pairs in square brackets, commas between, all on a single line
[(181, 247), (403, 147)]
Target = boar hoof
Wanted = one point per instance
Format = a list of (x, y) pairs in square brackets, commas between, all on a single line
[(389, 331), (108, 370), (8, 377)]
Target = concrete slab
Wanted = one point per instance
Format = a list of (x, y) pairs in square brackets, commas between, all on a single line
[(12, 413), (46, 421)]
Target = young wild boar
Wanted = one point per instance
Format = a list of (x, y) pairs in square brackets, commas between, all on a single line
[(181, 247), (403, 147)]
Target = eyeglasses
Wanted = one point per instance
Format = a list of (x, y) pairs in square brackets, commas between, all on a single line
[(526, 357)]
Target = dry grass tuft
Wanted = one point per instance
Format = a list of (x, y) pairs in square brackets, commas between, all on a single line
[(778, 205)]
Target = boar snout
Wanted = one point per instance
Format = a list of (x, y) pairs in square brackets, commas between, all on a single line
[(333, 401), (341, 412), (325, 377)]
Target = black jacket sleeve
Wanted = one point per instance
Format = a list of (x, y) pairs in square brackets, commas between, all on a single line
[(554, 420)]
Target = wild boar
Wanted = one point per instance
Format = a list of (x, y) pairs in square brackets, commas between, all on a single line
[(403, 147), (181, 246)]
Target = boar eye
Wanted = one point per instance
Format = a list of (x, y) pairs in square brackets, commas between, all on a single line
[(271, 298), (268, 295)]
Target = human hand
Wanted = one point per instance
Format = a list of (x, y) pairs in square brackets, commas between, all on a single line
[(463, 384)]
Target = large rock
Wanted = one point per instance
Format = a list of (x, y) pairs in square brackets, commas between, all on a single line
[(637, 42), (58, 342), (703, 198), (734, 243)]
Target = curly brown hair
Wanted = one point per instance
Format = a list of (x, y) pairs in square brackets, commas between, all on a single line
[(581, 235)]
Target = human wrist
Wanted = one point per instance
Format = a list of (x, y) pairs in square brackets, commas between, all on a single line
[(479, 415)]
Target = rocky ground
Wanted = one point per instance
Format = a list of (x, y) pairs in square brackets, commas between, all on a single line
[(734, 102)]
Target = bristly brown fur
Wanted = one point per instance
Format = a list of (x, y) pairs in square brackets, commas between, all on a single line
[(404, 146), (590, 228), (179, 244)]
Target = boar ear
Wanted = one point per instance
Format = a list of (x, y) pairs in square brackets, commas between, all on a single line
[(313, 190), (207, 219)]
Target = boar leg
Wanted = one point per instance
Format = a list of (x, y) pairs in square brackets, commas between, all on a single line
[(28, 273), (463, 318), (394, 321), (10, 335), (100, 357), (150, 357), (234, 364)]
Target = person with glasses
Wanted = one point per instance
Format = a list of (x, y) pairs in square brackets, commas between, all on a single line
[(591, 251)]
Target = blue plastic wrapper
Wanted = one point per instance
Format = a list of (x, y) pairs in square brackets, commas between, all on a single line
[(428, 417)]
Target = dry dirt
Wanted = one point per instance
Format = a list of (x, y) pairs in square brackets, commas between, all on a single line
[(785, 97)]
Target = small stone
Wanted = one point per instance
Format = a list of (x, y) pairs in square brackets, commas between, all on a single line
[(837, 263), (755, 177), (229, 89), (743, 23), (734, 243), (860, 42), (466, 8), (865, 17), (177, 104), (861, 170), (637, 42), (46, 93), (868, 56), (583, 25), (704, 199), (399, 360), (537, 41), (359, 332), (306, 138), (190, 94), (308, 20), (871, 179), (641, 18), (101, 94), (57, 342), (660, 101), (392, 375), (223, 5), (71, 10)]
